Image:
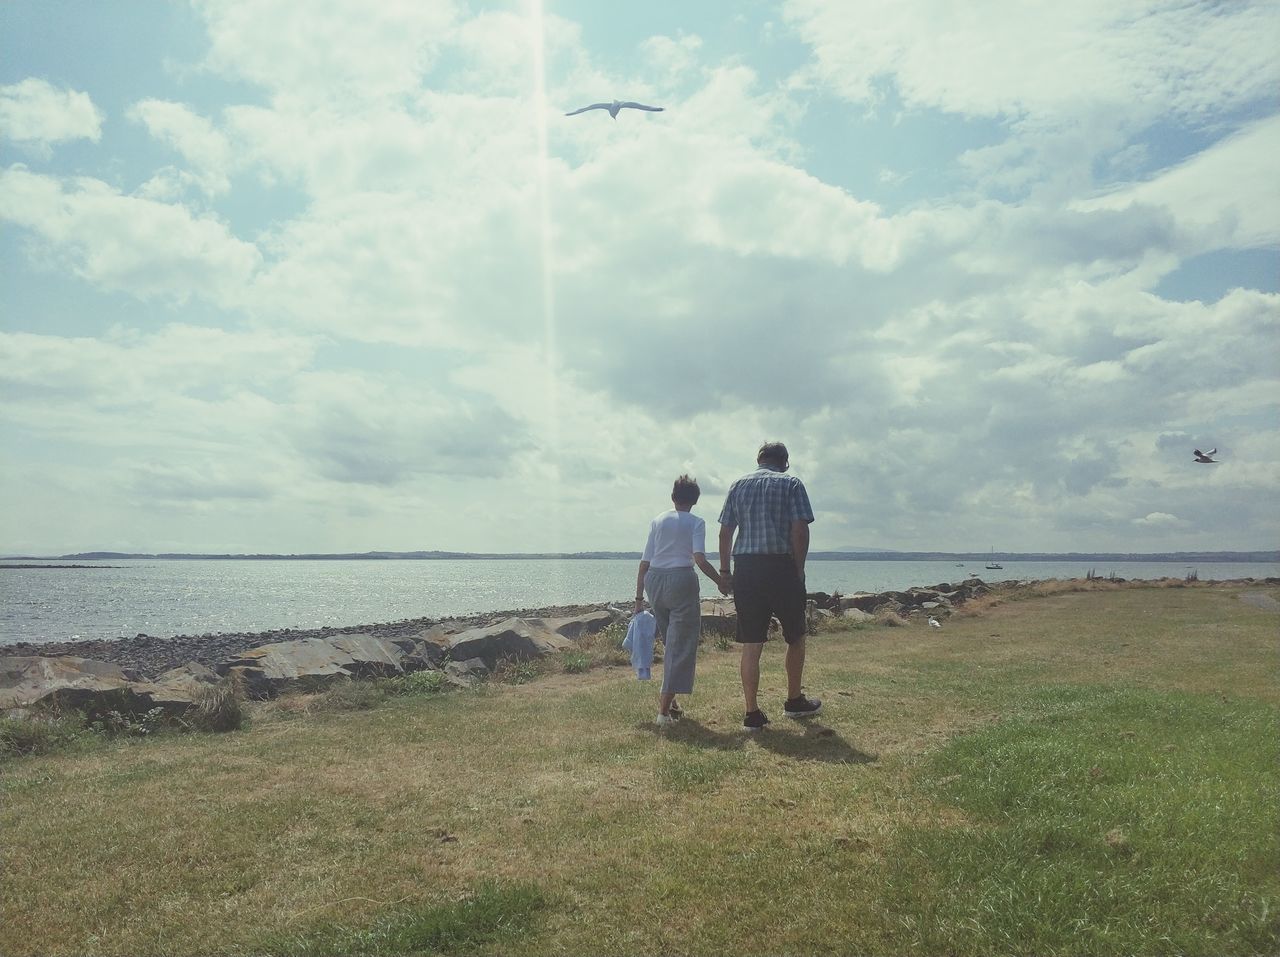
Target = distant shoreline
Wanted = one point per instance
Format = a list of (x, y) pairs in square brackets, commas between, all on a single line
[(861, 556)]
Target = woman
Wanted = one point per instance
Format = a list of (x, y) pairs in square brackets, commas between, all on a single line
[(677, 542)]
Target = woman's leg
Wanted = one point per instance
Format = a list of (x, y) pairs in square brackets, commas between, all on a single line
[(684, 628)]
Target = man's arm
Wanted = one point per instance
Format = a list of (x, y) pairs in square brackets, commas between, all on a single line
[(800, 543), (726, 549)]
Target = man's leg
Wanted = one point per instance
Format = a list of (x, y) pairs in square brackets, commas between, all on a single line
[(749, 669), (795, 668)]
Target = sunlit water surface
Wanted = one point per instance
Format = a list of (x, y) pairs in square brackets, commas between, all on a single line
[(165, 598)]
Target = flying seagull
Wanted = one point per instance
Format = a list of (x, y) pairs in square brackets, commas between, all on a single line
[(615, 106), (1206, 458)]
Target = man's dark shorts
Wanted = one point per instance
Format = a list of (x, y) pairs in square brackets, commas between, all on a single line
[(765, 586)]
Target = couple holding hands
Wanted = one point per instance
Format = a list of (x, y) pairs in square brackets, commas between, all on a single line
[(770, 513)]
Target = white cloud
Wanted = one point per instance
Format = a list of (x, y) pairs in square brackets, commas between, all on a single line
[(35, 112), (673, 57), (1044, 60), (144, 247), (1072, 84), (975, 370), (1159, 520), (341, 51), (53, 382), (353, 428), (1223, 196), (206, 150)]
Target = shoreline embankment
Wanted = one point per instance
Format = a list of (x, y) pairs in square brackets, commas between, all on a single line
[(150, 655)]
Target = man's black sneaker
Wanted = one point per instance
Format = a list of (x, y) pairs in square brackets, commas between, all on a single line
[(801, 707), (755, 720)]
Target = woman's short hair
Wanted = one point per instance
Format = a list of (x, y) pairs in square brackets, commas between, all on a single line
[(685, 491)]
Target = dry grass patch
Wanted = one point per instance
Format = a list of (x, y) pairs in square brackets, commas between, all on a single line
[(314, 823)]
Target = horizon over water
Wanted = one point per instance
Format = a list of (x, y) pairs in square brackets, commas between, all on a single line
[(164, 598)]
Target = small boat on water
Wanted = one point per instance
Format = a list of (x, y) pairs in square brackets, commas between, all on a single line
[(994, 565)]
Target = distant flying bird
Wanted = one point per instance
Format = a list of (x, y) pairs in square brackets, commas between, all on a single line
[(1206, 458), (615, 106), (934, 623)]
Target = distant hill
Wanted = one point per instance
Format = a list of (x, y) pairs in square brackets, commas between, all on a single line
[(853, 554), (974, 557)]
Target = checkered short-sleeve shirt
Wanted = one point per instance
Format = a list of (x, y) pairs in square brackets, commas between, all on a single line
[(763, 505)]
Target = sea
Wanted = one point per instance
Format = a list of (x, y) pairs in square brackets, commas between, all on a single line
[(164, 598)]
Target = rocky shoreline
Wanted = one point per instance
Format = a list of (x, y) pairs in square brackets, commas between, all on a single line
[(148, 655), (144, 658)]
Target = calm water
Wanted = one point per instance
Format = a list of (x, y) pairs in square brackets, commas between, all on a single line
[(165, 598)]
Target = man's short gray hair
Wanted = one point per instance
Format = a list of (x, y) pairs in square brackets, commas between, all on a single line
[(774, 453)]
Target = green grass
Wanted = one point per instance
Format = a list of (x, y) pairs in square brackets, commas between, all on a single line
[(43, 735), (1073, 773), (1143, 821), (492, 914)]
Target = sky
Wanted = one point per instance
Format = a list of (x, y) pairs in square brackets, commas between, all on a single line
[(334, 276)]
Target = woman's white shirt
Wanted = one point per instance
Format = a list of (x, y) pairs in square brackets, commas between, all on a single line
[(674, 538)]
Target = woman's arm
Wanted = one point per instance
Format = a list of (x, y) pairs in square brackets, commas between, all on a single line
[(644, 568), (700, 559)]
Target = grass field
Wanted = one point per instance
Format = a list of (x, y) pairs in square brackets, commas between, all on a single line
[(1076, 772)]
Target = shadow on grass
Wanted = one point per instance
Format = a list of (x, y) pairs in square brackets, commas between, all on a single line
[(492, 913), (817, 743)]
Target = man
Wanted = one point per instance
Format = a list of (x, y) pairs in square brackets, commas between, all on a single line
[(771, 513)]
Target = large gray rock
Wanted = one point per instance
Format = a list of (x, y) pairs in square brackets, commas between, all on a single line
[(863, 601), (269, 669), (857, 614), (918, 596), (79, 683), (177, 689), (514, 638), (192, 672), (576, 626), (468, 670), (719, 617)]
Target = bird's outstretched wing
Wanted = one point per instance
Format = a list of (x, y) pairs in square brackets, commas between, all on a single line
[(1212, 452), (640, 106), (593, 106)]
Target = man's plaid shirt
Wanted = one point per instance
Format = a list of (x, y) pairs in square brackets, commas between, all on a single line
[(763, 505)]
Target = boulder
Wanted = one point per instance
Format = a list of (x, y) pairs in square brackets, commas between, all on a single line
[(513, 638), (268, 669), (177, 689), (422, 655), (191, 671), (857, 614), (576, 626), (863, 601), (719, 617), (466, 673), (79, 683), (370, 657), (918, 596)]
